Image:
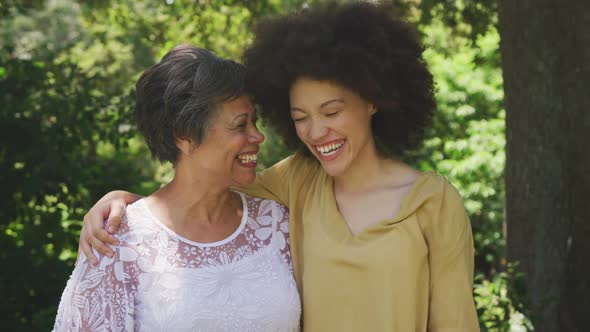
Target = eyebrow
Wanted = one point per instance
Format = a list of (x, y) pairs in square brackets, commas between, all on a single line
[(243, 115), (326, 103), (322, 105)]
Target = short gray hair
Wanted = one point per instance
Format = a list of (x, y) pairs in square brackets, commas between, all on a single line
[(178, 97)]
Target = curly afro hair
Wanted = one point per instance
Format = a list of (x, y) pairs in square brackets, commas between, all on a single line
[(359, 46)]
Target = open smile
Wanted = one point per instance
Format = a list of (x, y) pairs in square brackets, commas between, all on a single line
[(330, 150), (247, 159)]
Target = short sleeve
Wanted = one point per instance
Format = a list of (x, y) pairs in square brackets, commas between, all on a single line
[(447, 231), (99, 298)]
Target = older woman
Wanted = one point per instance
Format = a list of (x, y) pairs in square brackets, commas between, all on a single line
[(376, 244), (193, 256)]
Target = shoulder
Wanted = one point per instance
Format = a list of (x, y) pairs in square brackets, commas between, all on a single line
[(440, 209), (303, 164), (258, 207), (435, 191), (136, 223), (269, 220), (284, 178), (267, 213), (434, 199), (296, 167)]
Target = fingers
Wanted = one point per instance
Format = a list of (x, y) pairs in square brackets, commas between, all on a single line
[(116, 212), (86, 249), (99, 245), (94, 225), (93, 233), (102, 236)]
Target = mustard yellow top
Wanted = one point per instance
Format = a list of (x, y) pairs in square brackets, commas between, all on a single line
[(413, 272)]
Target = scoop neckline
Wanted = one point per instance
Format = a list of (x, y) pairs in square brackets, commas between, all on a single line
[(179, 237), (340, 228)]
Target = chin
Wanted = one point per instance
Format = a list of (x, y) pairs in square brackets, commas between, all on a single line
[(333, 172), (333, 168), (245, 180)]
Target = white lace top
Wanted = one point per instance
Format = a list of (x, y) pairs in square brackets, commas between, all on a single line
[(160, 281)]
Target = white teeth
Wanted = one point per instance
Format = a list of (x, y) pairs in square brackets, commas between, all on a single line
[(247, 158), (330, 149)]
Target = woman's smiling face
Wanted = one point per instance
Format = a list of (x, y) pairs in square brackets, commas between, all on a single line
[(229, 149), (332, 121)]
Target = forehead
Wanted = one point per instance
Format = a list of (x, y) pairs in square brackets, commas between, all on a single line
[(309, 91), (236, 107)]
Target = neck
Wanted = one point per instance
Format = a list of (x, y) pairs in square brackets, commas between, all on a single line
[(192, 197), (363, 171), (370, 169)]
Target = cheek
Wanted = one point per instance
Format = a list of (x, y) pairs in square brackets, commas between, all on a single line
[(235, 144), (357, 126), (225, 150), (300, 129)]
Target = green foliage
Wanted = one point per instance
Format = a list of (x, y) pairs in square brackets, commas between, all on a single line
[(67, 73), (61, 107), (467, 140), (466, 144), (469, 18), (497, 309)]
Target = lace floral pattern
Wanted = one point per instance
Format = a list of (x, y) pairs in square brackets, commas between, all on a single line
[(159, 281)]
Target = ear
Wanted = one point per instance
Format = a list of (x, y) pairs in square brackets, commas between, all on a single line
[(372, 109), (185, 145)]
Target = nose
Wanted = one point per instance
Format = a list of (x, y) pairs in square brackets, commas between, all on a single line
[(256, 136), (317, 130)]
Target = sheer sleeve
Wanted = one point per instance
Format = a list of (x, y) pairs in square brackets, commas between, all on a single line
[(282, 231), (101, 298)]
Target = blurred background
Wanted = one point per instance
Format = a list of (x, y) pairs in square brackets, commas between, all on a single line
[(67, 74)]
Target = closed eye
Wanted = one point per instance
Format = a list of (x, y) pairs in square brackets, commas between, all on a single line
[(332, 114), (299, 119), (245, 123)]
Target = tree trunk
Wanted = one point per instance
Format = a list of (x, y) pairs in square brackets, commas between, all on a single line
[(545, 46)]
